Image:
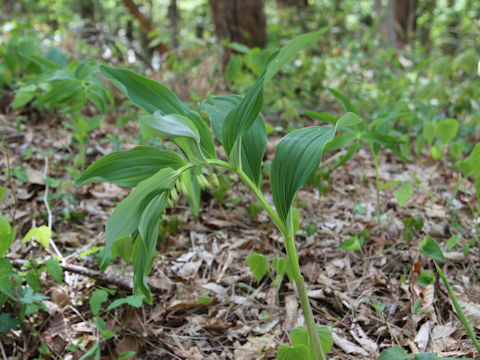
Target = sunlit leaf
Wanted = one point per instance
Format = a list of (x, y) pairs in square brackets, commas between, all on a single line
[(97, 299), (154, 96), (258, 265), (297, 157), (431, 249), (404, 193), (296, 352)]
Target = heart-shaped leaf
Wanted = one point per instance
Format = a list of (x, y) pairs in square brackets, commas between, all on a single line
[(431, 249), (447, 130), (258, 265)]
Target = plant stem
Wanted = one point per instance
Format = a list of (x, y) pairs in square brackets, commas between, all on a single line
[(377, 183), (291, 255)]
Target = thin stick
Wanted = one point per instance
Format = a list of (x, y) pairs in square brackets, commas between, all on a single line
[(99, 276), (4, 356), (10, 180)]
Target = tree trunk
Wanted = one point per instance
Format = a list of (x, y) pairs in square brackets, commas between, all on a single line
[(240, 21), (405, 15), (145, 23), (299, 4), (173, 17), (390, 24)]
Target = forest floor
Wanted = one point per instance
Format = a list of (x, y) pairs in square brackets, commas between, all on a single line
[(207, 304)]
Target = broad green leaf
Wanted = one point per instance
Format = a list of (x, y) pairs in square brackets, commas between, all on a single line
[(393, 353), (126, 216), (352, 244), (447, 130), (253, 143), (321, 116), (97, 299), (426, 356), (343, 100), (255, 59), (437, 152), (297, 157), (23, 96), (404, 193), (299, 336), (431, 249), (7, 322), (94, 351), (3, 192), (380, 139), (40, 234), (241, 118), (258, 265), (347, 120), (154, 96), (63, 91), (128, 168), (340, 141), (425, 278), (147, 242), (56, 56), (288, 51), (454, 240), (233, 69), (352, 149), (429, 131), (296, 352), (474, 161), (7, 235), (132, 300), (54, 269), (177, 127)]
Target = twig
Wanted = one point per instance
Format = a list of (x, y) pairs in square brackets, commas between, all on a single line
[(10, 180), (4, 356), (99, 276), (49, 212)]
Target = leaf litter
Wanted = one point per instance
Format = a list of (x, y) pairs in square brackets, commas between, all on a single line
[(207, 304)]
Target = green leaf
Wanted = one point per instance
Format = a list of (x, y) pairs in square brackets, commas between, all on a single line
[(429, 131), (192, 191), (297, 157), (126, 216), (326, 338), (22, 97), (258, 265), (474, 160), (425, 278), (352, 244), (454, 240), (430, 248), (297, 352), (147, 243), (233, 69), (177, 127), (404, 193), (299, 336), (40, 234), (380, 139), (61, 92), (107, 334), (7, 235), (447, 130), (54, 269), (347, 105), (132, 300), (7, 322), (394, 353), (458, 308), (93, 351), (288, 51), (3, 192), (128, 168), (97, 299), (241, 118), (254, 142), (154, 96)]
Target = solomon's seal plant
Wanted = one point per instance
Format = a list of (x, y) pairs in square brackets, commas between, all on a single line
[(157, 176)]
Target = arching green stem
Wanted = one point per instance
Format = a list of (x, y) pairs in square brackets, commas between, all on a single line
[(289, 237)]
